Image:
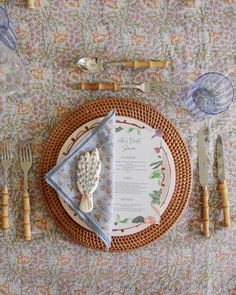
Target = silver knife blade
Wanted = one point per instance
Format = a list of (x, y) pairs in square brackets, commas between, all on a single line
[(202, 158), (220, 158)]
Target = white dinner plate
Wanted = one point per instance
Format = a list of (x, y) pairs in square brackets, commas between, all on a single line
[(168, 171)]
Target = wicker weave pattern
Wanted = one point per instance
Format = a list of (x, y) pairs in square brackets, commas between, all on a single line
[(139, 111)]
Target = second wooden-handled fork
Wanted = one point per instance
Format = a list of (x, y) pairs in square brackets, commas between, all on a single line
[(6, 157), (145, 87), (26, 163)]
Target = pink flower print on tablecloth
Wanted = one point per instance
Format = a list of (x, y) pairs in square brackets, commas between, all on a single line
[(59, 37), (100, 37), (152, 3), (177, 38), (111, 4)]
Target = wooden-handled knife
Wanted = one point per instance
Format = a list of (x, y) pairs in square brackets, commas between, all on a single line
[(203, 179), (222, 183)]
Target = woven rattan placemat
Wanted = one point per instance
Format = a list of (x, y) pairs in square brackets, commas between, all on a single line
[(139, 111)]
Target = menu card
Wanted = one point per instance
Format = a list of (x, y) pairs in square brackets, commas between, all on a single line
[(138, 176)]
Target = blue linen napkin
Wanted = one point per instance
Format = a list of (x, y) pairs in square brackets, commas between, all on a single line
[(62, 178)]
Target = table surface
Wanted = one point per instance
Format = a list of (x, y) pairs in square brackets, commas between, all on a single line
[(198, 37)]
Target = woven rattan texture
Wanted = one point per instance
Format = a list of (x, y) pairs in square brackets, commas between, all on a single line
[(150, 116)]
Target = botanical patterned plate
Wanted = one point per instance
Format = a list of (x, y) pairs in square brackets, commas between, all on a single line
[(168, 172)]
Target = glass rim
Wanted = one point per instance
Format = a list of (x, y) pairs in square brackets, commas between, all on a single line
[(230, 102), (5, 16)]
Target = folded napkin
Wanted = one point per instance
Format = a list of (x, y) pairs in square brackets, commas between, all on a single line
[(63, 178)]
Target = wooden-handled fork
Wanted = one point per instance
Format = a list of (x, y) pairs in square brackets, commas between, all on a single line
[(26, 163), (6, 157)]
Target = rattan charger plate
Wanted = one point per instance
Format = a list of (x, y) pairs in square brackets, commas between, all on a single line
[(139, 111)]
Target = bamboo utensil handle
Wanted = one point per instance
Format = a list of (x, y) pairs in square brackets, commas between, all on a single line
[(5, 221), (205, 206), (138, 64), (98, 86), (225, 203), (26, 205), (30, 4)]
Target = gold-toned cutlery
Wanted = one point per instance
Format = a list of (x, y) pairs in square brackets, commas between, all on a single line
[(30, 4), (203, 179), (144, 87), (92, 65), (26, 163), (222, 183), (6, 158)]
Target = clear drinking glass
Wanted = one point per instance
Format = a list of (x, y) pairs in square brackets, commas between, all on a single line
[(11, 67), (211, 94), (11, 72)]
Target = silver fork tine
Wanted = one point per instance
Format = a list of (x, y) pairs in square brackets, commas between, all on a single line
[(20, 155), (3, 152), (24, 154), (27, 153), (22, 151), (9, 151), (30, 153), (6, 150)]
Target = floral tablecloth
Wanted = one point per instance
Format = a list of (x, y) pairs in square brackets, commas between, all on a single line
[(196, 36)]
